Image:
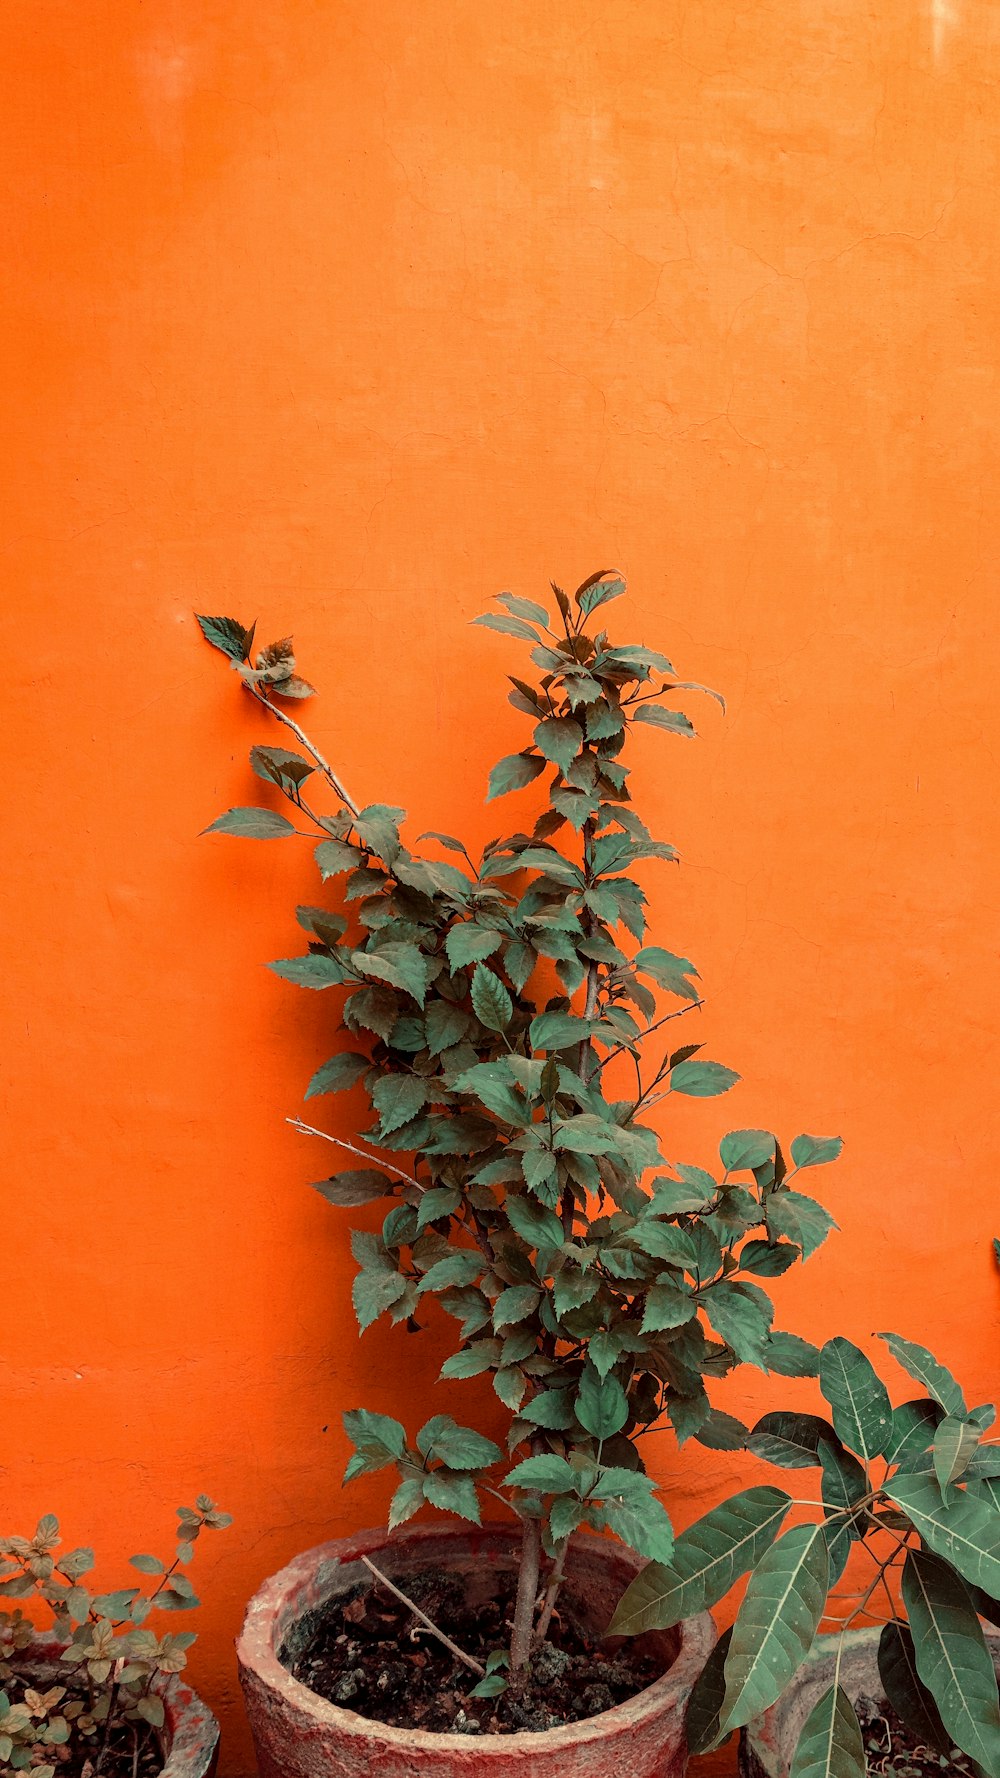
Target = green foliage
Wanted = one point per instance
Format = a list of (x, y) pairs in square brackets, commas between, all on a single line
[(930, 1510), (112, 1660), (510, 1029)]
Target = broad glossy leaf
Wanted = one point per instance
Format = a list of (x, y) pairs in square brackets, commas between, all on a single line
[(913, 1426), (830, 1745), (739, 1318), (862, 1411), (790, 1440), (964, 1530), (708, 1559), (401, 965), (904, 1688), (953, 1658), (922, 1365), (790, 1356), (776, 1623), (469, 943), (844, 1485), (954, 1443), (702, 1725), (743, 1149)]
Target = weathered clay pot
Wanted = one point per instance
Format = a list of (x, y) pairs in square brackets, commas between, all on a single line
[(299, 1735), (190, 1735), (768, 1744)]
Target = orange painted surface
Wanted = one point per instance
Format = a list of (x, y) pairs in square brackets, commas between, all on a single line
[(346, 316)]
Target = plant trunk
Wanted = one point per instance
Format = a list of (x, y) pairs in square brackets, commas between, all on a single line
[(527, 1592)]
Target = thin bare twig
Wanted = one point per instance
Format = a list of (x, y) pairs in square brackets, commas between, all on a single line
[(691, 1006), (374, 1159), (551, 1594), (453, 1648), (300, 734)]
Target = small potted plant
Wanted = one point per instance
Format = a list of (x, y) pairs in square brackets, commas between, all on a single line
[(98, 1694), (916, 1487), (499, 1016)]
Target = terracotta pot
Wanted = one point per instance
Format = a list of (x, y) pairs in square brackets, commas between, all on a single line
[(299, 1735), (190, 1735), (767, 1744)]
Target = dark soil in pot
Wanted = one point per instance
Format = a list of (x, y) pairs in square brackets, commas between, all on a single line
[(365, 1652), (894, 1751), (129, 1753)]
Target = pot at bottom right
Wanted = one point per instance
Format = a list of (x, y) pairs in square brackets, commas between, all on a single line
[(768, 1743)]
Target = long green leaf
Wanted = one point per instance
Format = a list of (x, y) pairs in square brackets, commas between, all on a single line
[(706, 1698), (965, 1531), (904, 1688), (776, 1623), (924, 1367), (953, 1659), (708, 1558), (844, 1485), (830, 1745), (862, 1411)]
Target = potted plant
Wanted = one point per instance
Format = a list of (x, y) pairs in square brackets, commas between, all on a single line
[(98, 1694), (498, 1015), (916, 1487)]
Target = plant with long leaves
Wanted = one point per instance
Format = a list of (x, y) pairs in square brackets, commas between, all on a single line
[(916, 1488), (485, 1007)]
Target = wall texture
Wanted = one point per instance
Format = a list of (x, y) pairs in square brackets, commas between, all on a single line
[(345, 316)]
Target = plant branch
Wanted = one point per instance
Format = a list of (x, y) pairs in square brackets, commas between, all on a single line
[(527, 1592), (453, 1648), (690, 1006), (552, 1593), (375, 1159), (314, 752)]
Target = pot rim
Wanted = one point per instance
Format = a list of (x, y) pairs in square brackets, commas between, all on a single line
[(257, 1654)]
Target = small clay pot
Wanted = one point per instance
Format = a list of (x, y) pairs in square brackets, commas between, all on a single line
[(768, 1743), (300, 1735), (190, 1734)]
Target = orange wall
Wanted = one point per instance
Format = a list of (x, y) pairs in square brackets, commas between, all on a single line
[(346, 315)]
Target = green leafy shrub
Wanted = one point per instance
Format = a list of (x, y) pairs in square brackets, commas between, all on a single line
[(481, 1006), (919, 1487), (108, 1655)]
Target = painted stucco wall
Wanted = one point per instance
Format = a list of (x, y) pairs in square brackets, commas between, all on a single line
[(346, 316)]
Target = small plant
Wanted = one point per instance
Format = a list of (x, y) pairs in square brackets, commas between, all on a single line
[(917, 1488), (103, 1706), (497, 1014)]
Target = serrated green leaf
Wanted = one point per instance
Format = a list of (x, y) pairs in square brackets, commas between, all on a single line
[(457, 1447), (643, 1525), (601, 1406), (360, 1185), (746, 1149), (543, 1475), (558, 1031), (469, 943), (472, 1361), (340, 1072), (534, 1223), (739, 1318), (659, 717), (311, 971), (452, 1493), (491, 1083), (702, 1080), (515, 1304), (491, 1002), (668, 1304), (378, 1441), (251, 824), (559, 738), (708, 1559), (397, 1099), (401, 965), (507, 626), (407, 1500), (799, 1219), (862, 1411), (373, 1292), (513, 773), (790, 1356), (228, 636), (816, 1151)]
